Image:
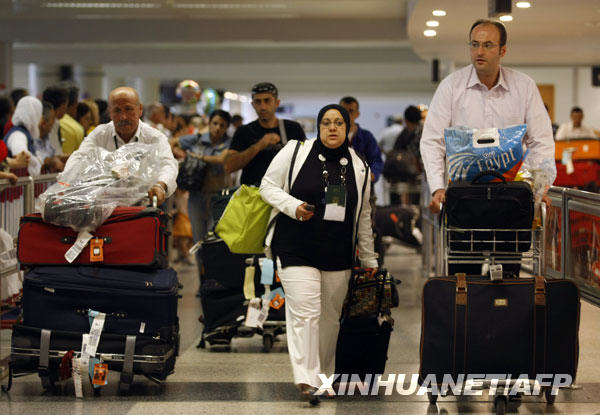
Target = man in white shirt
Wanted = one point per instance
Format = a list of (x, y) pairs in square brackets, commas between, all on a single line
[(575, 128), (156, 117), (125, 112), (485, 95)]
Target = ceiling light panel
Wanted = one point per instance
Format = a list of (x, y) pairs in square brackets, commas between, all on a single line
[(439, 13), (430, 33), (523, 4), (432, 23), (100, 5)]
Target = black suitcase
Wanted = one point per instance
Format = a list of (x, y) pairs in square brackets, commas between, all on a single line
[(144, 355), (489, 205), (363, 339), (362, 346), (396, 221), (221, 265), (136, 302), (221, 306), (472, 325)]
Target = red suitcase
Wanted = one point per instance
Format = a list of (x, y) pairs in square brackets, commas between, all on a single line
[(586, 174), (133, 236)]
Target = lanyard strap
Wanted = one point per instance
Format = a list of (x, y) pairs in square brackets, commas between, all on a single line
[(117, 144)]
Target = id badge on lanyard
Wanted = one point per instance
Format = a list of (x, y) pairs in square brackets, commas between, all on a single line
[(335, 202)]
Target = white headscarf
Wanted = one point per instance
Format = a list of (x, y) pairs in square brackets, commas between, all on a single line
[(28, 114)]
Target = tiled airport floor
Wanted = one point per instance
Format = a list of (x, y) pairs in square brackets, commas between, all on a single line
[(246, 381)]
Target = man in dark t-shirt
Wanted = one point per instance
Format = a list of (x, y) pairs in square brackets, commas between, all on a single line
[(255, 144)]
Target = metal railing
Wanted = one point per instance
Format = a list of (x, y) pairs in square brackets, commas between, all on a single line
[(16, 200), (571, 245)]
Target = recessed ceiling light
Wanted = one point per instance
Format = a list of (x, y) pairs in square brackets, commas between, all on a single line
[(430, 33), (523, 4), (432, 23), (506, 18), (439, 13), (100, 5)]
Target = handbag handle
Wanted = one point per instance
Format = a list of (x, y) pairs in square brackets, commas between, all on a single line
[(380, 283), (488, 173)]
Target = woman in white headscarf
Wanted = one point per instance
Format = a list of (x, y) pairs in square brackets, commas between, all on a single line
[(26, 120)]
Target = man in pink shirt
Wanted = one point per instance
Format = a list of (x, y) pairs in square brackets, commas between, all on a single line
[(485, 95)]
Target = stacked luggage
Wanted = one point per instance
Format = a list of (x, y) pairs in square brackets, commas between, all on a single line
[(119, 283), (503, 327)]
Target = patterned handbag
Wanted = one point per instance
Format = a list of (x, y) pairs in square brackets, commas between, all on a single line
[(368, 294)]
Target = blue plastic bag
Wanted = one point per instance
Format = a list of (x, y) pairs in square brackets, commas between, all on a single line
[(471, 151)]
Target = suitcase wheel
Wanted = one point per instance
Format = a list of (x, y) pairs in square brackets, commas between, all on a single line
[(267, 343), (549, 397), (432, 397), (500, 404), (202, 344)]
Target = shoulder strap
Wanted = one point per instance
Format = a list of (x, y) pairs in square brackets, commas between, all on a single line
[(290, 173), (364, 187), (292, 164), (282, 132)]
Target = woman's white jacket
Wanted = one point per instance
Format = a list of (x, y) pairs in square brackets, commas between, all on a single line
[(274, 189)]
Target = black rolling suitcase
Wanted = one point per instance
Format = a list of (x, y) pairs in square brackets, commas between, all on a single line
[(365, 326), (525, 326), (135, 302), (42, 351), (221, 291)]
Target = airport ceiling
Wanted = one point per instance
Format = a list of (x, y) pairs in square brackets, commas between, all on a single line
[(366, 42)]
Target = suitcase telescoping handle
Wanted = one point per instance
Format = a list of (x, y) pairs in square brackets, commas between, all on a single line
[(488, 173)]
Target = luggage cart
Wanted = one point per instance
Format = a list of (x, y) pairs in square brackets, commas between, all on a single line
[(492, 247)]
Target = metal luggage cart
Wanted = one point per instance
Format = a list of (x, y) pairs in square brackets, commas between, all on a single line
[(491, 247)]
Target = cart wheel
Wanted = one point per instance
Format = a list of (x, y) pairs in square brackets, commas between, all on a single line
[(549, 397), (432, 397), (267, 343), (500, 404)]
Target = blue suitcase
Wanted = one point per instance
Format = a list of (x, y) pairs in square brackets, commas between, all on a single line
[(135, 302)]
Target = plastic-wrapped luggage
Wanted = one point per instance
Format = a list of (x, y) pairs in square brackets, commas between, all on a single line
[(86, 194)]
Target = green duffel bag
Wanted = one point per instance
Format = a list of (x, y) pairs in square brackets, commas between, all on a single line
[(243, 225)]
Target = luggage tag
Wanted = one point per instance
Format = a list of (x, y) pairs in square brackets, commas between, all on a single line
[(249, 293), (253, 313), (264, 313), (335, 202), (267, 271), (277, 298), (83, 238), (97, 250), (76, 372), (567, 159), (100, 375)]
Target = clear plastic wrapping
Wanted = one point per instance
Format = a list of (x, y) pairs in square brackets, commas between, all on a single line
[(86, 194)]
